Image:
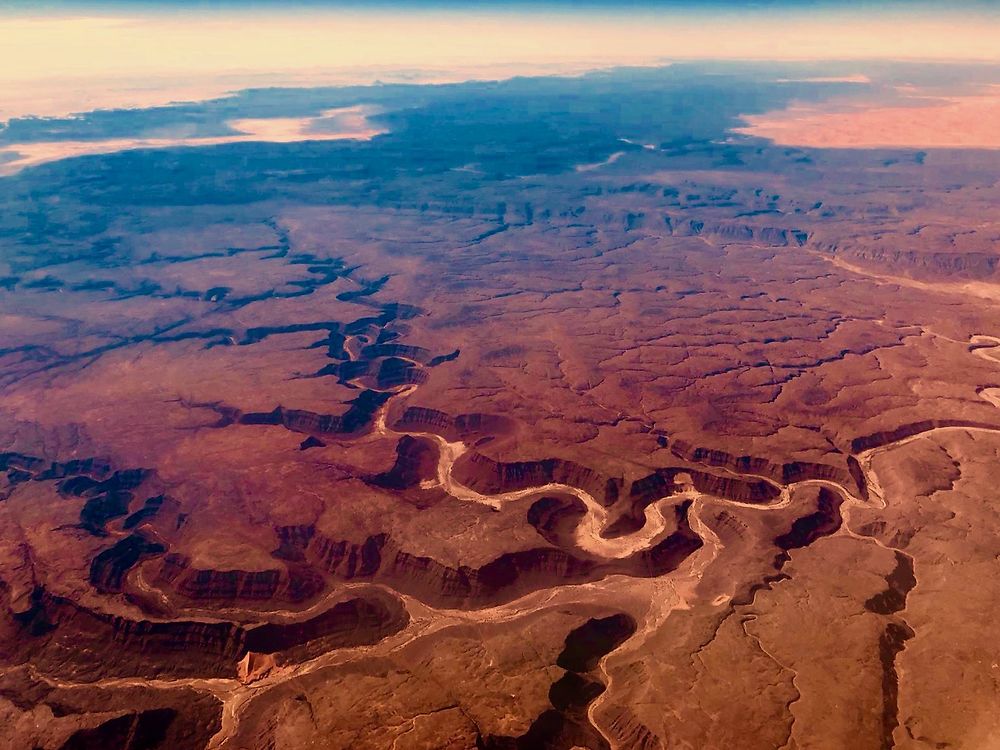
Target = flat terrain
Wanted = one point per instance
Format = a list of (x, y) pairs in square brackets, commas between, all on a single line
[(558, 415)]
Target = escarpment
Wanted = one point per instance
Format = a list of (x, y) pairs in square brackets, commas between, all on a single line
[(671, 551), (127, 717), (466, 427), (782, 473), (120, 646), (108, 568), (131, 731), (291, 583), (359, 621), (415, 353), (510, 575), (181, 648), (904, 431), (825, 520), (891, 602), (358, 416), (346, 559), (394, 372), (821, 517), (592, 492), (722, 232), (670, 481), (416, 461), (555, 518), (107, 494), (490, 477), (43, 470), (381, 559), (922, 263)]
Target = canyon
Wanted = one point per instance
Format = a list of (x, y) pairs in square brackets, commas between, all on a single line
[(412, 443)]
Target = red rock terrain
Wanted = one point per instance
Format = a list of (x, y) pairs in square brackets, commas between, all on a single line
[(640, 459)]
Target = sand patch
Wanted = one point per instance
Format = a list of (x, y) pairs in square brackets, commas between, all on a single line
[(347, 123), (953, 122)]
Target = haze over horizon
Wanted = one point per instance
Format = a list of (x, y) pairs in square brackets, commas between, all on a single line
[(189, 49), (499, 375)]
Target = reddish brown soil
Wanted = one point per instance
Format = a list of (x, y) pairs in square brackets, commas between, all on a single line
[(651, 460)]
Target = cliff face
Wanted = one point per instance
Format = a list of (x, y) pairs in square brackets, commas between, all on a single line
[(663, 482), (180, 648), (346, 559), (555, 518), (293, 583), (783, 473), (416, 461), (725, 232), (922, 263), (56, 627), (566, 723), (805, 530), (106, 494), (877, 439), (108, 568), (490, 477), (512, 574), (354, 622), (466, 427)]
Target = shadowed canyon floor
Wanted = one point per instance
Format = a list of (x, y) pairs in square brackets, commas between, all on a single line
[(421, 442)]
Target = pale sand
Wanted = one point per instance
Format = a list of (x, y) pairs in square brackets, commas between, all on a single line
[(352, 123), (954, 122)]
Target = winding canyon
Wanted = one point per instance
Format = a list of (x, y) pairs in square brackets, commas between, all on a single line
[(410, 444)]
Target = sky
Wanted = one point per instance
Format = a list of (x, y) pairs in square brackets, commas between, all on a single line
[(54, 55)]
